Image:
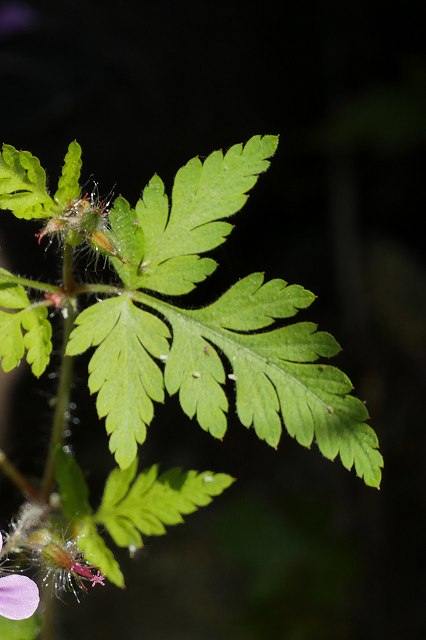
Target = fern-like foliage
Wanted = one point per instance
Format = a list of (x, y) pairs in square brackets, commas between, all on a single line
[(165, 258), (131, 505), (277, 378), (146, 505), (274, 376), (145, 344)]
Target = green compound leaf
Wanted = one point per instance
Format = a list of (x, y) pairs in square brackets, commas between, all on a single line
[(27, 330), (94, 549), (72, 486), (69, 182), (23, 185), (28, 629), (122, 371), (204, 193), (146, 505), (275, 378)]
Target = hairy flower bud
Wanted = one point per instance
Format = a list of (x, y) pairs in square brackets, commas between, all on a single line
[(54, 226), (83, 219), (64, 565)]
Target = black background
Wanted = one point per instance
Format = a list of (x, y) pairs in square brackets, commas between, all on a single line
[(299, 548)]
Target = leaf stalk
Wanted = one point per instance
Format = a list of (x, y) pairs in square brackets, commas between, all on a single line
[(16, 477)]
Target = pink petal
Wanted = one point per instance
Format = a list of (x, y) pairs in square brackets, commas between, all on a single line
[(19, 597)]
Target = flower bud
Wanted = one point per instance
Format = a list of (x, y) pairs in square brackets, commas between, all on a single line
[(64, 565), (103, 243), (55, 225)]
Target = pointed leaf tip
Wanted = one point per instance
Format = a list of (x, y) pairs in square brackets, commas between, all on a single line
[(204, 194)]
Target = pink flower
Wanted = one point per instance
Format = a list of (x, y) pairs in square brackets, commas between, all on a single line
[(19, 596)]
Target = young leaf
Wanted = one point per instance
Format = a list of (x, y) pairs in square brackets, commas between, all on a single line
[(23, 185), (28, 329), (69, 182), (145, 505), (204, 193), (274, 376), (122, 371), (94, 549), (72, 486)]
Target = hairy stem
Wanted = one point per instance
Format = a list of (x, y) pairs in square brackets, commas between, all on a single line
[(32, 284), (68, 282), (109, 289), (65, 377)]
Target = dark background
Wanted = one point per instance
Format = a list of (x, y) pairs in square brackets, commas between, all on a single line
[(299, 548)]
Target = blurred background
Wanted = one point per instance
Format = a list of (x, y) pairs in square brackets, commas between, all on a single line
[(298, 548)]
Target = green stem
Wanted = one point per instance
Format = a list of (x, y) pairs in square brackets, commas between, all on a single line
[(33, 284), (68, 282), (48, 630), (65, 378), (15, 476)]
